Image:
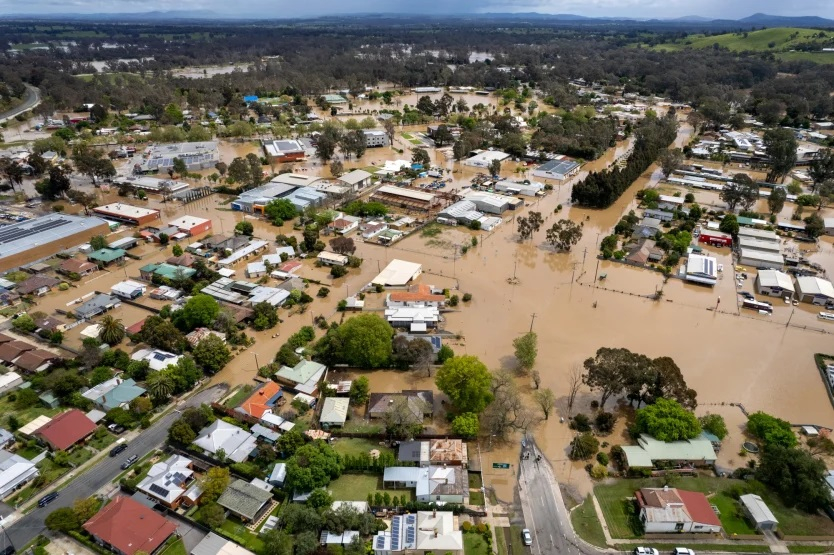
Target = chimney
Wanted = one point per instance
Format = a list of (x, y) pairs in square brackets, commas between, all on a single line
[(435, 532)]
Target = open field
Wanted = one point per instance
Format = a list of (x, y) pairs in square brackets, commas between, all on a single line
[(783, 37), (356, 487), (358, 446)]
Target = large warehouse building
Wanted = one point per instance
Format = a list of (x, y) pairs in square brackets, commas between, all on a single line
[(127, 213), (25, 242)]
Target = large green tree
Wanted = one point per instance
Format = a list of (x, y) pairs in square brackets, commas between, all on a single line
[(199, 311), (112, 330), (526, 350), (365, 341), (313, 466), (667, 420), (212, 353), (780, 145), (771, 430), (796, 475), (466, 380)]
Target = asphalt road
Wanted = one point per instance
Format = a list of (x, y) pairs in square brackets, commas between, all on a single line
[(30, 100), (25, 529)]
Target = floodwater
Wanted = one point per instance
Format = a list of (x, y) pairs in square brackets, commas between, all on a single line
[(727, 355)]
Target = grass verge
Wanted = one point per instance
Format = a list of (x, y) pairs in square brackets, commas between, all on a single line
[(586, 524)]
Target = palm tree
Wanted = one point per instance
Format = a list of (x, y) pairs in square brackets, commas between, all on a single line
[(159, 385), (112, 330)]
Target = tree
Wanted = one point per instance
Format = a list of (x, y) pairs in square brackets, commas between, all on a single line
[(212, 353), (365, 341), (238, 171), (215, 482), (360, 389), (112, 330), (564, 234), (244, 228), (176, 250), (583, 447), (771, 431), (466, 425), (796, 476), (180, 167), (24, 323), (529, 225), (264, 316), (740, 191), (277, 542), (821, 168), (212, 515), (161, 334), (780, 146), (670, 160), (574, 383), (141, 405), (181, 432), (280, 209), (289, 442), (337, 168), (307, 542), (495, 167), (85, 508), (389, 130), (814, 226), (714, 424), (546, 399), (63, 520), (466, 380), (667, 420), (776, 200), (160, 386), (442, 136), (425, 105), (729, 224), (402, 420), (297, 518), (444, 354), (526, 350), (312, 466), (607, 372), (87, 200), (420, 156), (199, 311), (343, 245), (56, 185), (27, 398)]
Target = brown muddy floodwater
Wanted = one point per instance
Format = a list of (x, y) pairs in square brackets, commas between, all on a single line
[(727, 356)]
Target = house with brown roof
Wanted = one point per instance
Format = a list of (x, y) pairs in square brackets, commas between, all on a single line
[(264, 399), (345, 224), (419, 295), (50, 324), (421, 403), (36, 360), (644, 252), (184, 259), (452, 452), (10, 350), (37, 285), (75, 266), (66, 429), (126, 527), (668, 510)]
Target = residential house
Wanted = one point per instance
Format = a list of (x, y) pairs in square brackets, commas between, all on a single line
[(327, 538), (7, 438), (11, 350), (263, 399), (213, 544), (199, 334), (416, 452), (106, 256), (66, 430), (185, 260), (449, 484), (156, 358), (372, 229), (99, 304), (668, 510), (650, 451), (9, 382), (191, 225), (417, 319), (304, 377), (419, 295), (129, 290), (334, 412), (33, 426), (36, 285), (452, 452), (758, 512), (166, 271), (421, 403), (264, 434), (113, 393), (647, 228), (245, 500), (644, 252), (332, 259), (168, 480), (35, 360), (15, 471), (662, 215), (75, 266), (235, 442), (438, 533), (49, 324), (344, 224), (667, 202), (126, 527)]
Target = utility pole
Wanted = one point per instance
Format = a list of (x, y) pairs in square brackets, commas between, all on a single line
[(257, 366), (531, 322), (584, 254)]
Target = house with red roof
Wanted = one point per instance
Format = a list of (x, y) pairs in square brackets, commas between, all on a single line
[(126, 527), (262, 400), (66, 430), (666, 510)]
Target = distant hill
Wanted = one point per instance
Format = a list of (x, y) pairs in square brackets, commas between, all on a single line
[(171, 15), (787, 21)]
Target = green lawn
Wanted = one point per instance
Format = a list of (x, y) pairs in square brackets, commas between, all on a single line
[(357, 446), (724, 547), (29, 453), (515, 545), (356, 487), (25, 415), (240, 534), (731, 516), (240, 395), (587, 525), (361, 426), (407, 136), (175, 548), (809, 548), (475, 480), (474, 544), (476, 498), (101, 440)]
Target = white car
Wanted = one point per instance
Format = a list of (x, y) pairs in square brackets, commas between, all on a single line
[(683, 551), (527, 537), (645, 551)]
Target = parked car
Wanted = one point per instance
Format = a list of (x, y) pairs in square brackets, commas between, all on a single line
[(115, 428), (133, 458), (683, 551), (47, 499), (118, 449), (645, 551), (527, 537)]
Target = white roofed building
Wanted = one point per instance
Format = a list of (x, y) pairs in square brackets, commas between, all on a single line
[(774, 283), (814, 290), (702, 269), (398, 272)]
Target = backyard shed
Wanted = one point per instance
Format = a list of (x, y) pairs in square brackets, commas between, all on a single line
[(758, 512)]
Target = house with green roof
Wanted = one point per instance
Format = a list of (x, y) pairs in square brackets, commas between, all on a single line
[(649, 452), (105, 256), (304, 377), (335, 99), (245, 500), (115, 392), (165, 270)]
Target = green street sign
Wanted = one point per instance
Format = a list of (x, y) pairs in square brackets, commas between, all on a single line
[(500, 465)]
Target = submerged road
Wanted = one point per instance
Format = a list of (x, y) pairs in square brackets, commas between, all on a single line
[(31, 99), (25, 529)]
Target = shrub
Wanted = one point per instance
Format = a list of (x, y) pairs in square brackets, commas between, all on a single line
[(453, 300), (581, 423), (598, 472), (602, 458), (338, 271), (467, 297)]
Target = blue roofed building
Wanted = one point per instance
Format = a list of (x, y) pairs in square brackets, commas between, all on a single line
[(114, 393)]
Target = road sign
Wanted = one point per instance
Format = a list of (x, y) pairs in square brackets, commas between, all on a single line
[(500, 465)]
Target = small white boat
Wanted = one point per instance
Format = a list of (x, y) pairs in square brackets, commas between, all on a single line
[(826, 316)]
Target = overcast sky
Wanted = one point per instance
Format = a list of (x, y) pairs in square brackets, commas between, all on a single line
[(730, 9)]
